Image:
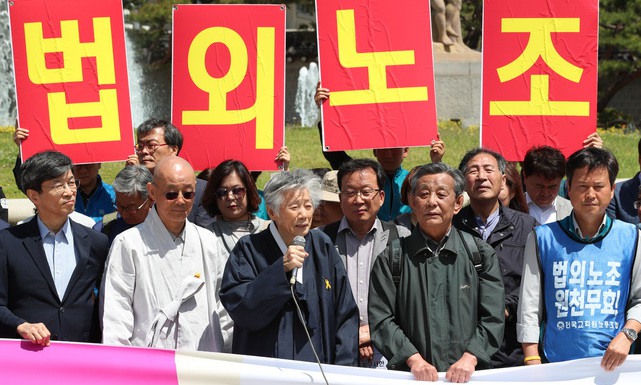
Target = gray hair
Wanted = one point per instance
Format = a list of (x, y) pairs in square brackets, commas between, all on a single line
[(439, 168), (283, 182), (500, 160), (132, 180)]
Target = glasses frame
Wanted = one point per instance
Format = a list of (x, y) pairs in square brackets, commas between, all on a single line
[(237, 192), (173, 195), (151, 148), (59, 188), (130, 209), (354, 194)]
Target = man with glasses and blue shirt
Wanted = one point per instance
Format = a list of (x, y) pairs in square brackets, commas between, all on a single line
[(163, 276), (360, 237), (50, 265), (156, 140)]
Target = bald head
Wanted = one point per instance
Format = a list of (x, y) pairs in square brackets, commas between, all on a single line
[(173, 166), (173, 190)]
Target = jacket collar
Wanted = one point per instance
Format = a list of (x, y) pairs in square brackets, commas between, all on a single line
[(416, 242)]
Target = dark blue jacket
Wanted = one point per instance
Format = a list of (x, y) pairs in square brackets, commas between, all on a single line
[(256, 292), (622, 204), (28, 292)]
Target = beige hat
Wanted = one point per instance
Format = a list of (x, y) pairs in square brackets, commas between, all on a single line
[(329, 187)]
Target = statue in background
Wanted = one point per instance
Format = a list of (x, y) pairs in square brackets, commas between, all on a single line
[(446, 24)]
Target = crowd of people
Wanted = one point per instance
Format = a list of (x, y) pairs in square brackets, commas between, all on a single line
[(365, 265)]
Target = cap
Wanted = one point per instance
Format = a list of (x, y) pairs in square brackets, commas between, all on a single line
[(329, 187)]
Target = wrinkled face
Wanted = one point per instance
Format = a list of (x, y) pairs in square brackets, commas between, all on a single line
[(132, 208), (58, 197), (232, 206), (294, 216), (173, 212), (590, 192), (434, 204), (541, 190), (359, 198), (86, 174), (483, 179), (391, 158), (154, 148)]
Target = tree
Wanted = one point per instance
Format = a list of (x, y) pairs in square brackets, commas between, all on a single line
[(153, 22), (619, 47)]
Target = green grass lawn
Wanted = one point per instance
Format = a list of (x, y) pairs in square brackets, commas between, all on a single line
[(304, 146)]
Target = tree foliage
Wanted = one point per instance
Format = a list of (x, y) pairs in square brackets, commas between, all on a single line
[(152, 28), (619, 47)]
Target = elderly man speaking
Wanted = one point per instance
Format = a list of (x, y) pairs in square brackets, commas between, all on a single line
[(256, 284), (163, 276)]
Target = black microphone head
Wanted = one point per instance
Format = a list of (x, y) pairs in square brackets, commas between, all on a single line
[(299, 241)]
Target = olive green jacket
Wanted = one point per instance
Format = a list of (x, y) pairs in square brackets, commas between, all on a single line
[(442, 307)]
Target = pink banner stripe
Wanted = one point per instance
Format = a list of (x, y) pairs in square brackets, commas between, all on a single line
[(80, 364)]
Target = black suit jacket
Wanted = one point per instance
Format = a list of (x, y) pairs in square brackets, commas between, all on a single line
[(622, 204), (198, 213), (28, 292)]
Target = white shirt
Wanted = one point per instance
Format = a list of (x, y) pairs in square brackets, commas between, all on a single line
[(543, 215)]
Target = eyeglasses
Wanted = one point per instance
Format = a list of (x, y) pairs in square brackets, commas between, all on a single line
[(366, 193), (636, 204), (237, 192), (151, 147), (59, 187), (173, 195), (131, 208)]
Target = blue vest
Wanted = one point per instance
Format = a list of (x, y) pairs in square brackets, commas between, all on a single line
[(585, 288)]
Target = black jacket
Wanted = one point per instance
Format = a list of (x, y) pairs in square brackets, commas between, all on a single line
[(28, 292), (508, 240)]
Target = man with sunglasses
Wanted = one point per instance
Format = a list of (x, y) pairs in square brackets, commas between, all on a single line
[(163, 276), (360, 237), (50, 265), (159, 139)]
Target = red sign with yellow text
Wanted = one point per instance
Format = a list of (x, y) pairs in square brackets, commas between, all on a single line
[(539, 74), (228, 85), (70, 68), (376, 61)]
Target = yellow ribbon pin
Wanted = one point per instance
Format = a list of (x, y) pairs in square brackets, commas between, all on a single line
[(327, 285)]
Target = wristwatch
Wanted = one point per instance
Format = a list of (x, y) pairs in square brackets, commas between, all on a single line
[(630, 333)]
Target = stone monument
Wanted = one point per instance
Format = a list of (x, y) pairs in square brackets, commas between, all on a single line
[(457, 68)]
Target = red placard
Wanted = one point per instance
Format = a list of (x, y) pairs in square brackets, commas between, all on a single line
[(376, 60), (228, 84), (539, 74), (70, 68)]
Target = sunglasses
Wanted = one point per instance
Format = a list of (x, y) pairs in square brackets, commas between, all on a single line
[(237, 192), (173, 195)]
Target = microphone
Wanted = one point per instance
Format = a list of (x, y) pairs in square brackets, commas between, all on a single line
[(297, 241)]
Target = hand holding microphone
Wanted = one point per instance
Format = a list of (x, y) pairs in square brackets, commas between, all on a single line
[(295, 257)]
